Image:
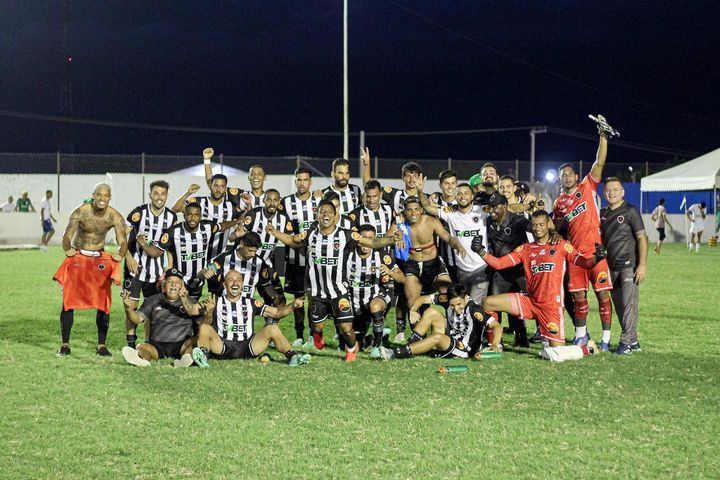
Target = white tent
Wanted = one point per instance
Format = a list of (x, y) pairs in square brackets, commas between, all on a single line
[(702, 173), (199, 171)]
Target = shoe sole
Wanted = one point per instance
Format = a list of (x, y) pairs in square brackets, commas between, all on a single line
[(184, 362), (199, 358), (131, 356)]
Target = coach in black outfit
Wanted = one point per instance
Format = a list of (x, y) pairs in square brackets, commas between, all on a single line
[(623, 234)]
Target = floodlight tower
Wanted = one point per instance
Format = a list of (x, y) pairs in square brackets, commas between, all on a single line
[(66, 141), (533, 132)]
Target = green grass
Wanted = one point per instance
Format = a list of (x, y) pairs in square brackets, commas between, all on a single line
[(649, 415)]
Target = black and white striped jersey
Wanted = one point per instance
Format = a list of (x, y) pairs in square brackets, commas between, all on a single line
[(234, 321), (446, 251), (256, 273), (365, 277), (382, 219), (349, 198), (466, 327), (144, 222), (395, 197), (255, 200), (302, 214), (256, 221), (326, 273), (225, 211), (189, 250)]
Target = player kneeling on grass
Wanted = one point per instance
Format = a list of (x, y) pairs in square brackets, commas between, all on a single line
[(457, 334), (172, 316), (227, 331), (544, 265)]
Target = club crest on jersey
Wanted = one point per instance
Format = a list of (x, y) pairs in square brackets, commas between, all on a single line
[(578, 195), (519, 248), (387, 260), (101, 266), (568, 248), (258, 303), (233, 191), (476, 219), (602, 277), (388, 189), (135, 217), (248, 220), (553, 328), (355, 236), (336, 245), (344, 305), (288, 227), (164, 238), (620, 218), (552, 252), (478, 316)]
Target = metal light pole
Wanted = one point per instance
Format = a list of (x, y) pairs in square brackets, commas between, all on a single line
[(345, 82), (532, 150)]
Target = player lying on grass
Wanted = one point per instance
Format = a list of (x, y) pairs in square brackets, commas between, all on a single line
[(228, 332), (544, 266), (457, 334), (171, 315)]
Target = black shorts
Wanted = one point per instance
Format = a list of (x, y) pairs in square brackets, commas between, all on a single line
[(427, 272), (295, 280), (363, 317), (340, 308), (167, 349), (456, 350), (661, 231), (136, 287), (233, 350)]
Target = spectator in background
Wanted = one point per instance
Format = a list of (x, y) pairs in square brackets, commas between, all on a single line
[(46, 221), (9, 206), (659, 216), (24, 204), (696, 214)]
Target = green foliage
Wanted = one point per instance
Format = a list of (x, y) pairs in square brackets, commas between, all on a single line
[(649, 415)]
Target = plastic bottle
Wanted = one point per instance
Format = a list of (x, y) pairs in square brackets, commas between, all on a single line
[(488, 355), (453, 369)]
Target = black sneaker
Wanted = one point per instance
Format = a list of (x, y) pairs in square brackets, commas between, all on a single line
[(64, 351), (103, 351)]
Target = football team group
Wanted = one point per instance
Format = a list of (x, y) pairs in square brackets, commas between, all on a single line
[(449, 263)]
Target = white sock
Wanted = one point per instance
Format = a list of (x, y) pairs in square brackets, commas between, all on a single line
[(690, 247), (697, 247), (580, 331), (606, 336)]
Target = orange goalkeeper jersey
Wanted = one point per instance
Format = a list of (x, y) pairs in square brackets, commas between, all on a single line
[(86, 281)]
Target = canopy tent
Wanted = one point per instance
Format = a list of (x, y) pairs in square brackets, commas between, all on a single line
[(199, 171)]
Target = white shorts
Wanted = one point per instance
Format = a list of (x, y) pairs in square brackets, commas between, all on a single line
[(697, 227)]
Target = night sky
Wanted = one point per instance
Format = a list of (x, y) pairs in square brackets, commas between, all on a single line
[(652, 68)]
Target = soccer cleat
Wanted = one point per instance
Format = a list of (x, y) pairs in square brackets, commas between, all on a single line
[(582, 341), (309, 344), (350, 357), (297, 343), (64, 351), (375, 353), (387, 353), (604, 347), (200, 358), (623, 349), (399, 338), (131, 356), (592, 347), (299, 359), (635, 346), (318, 341), (103, 351), (184, 362), (536, 338)]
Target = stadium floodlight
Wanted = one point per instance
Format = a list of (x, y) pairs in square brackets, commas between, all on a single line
[(551, 176)]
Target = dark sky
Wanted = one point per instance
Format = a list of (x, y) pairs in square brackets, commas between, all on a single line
[(276, 65)]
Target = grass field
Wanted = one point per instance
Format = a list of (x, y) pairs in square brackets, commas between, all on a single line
[(653, 414)]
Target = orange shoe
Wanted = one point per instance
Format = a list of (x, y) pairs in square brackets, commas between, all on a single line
[(351, 356), (318, 341)]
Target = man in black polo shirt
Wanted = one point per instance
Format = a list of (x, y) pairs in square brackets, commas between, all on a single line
[(623, 234)]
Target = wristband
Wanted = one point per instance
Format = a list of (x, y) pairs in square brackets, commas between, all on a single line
[(206, 161)]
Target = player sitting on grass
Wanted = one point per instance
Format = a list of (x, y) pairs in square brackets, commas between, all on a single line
[(171, 315), (456, 335), (544, 266), (227, 331)]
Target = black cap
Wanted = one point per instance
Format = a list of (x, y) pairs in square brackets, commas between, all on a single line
[(174, 272), (495, 200), (522, 186)]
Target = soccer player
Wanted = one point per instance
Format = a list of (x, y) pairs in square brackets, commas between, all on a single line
[(172, 316), (46, 220), (659, 216), (343, 220), (544, 266), (88, 271), (240, 198), (329, 248), (372, 212), (369, 275), (187, 244), (578, 207), (425, 271), (24, 204), (696, 214), (447, 197), (465, 222), (257, 220), (623, 234), (147, 223), (485, 183), (516, 203), (458, 334), (228, 330), (301, 208), (349, 193)]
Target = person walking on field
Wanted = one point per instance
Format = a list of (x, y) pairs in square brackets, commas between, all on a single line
[(659, 216)]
